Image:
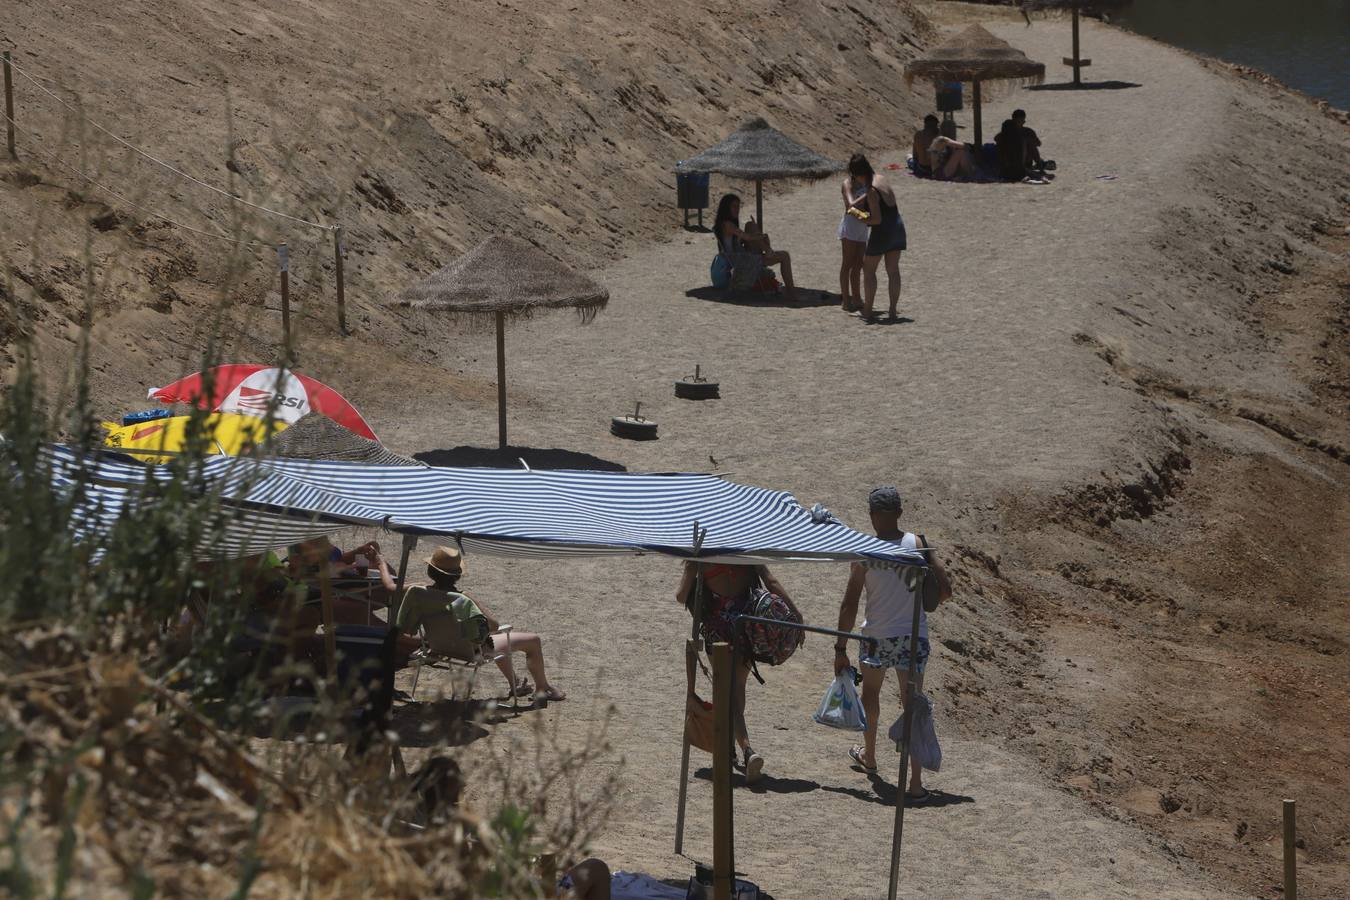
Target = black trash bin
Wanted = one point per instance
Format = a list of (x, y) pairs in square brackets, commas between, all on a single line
[(691, 192)]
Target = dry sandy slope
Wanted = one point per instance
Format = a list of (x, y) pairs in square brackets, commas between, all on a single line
[(1022, 396), (1062, 413)]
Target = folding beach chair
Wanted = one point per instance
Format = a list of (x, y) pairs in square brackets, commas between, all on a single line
[(453, 634)]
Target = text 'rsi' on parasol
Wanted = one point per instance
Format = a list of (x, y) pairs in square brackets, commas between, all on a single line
[(501, 277), (974, 55), (758, 152), (1075, 7)]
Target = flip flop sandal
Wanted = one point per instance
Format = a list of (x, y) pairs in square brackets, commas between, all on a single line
[(551, 694), (918, 799), (855, 753)]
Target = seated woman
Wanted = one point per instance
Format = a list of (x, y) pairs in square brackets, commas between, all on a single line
[(748, 250), (951, 159)]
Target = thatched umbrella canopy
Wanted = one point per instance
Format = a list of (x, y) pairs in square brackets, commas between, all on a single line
[(975, 55), (756, 152), (316, 436), (505, 276), (1075, 7)]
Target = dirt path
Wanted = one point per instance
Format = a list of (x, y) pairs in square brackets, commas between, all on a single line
[(994, 382)]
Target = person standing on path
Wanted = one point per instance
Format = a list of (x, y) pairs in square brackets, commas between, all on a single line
[(889, 618), (886, 241), (853, 232)]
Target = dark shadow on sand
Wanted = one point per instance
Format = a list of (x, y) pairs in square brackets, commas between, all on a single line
[(697, 229), (535, 458), (886, 320), (767, 784), (884, 793), (454, 723), (1085, 86), (805, 298)]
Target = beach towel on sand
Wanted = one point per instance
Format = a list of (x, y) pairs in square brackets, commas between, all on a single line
[(924, 746)]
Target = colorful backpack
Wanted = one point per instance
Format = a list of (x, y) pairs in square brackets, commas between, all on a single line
[(769, 644)]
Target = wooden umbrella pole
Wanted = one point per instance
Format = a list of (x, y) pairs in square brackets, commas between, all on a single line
[(759, 203), (898, 834), (975, 111), (1077, 65), (501, 379)]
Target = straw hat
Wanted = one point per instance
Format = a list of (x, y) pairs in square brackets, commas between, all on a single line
[(447, 561)]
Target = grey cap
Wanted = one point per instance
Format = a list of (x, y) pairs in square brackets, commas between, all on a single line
[(884, 498)]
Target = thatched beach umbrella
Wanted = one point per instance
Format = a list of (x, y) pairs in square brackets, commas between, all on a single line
[(757, 152), (505, 276), (976, 56), (1074, 6), (316, 436)]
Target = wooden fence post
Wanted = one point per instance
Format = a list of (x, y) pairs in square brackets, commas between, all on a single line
[(9, 109), (1290, 858), (284, 264), (723, 737), (341, 283)]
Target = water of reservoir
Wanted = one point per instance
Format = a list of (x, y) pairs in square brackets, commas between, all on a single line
[(1304, 43)]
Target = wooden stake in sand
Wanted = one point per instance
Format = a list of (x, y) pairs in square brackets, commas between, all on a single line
[(284, 264), (341, 282), (9, 109), (724, 867), (1290, 858)]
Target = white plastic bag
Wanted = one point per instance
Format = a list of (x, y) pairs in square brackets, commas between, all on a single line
[(924, 746), (841, 708)]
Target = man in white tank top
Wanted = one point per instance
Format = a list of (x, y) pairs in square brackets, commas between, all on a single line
[(889, 618)]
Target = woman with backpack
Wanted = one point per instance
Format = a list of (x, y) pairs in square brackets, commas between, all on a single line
[(727, 592)]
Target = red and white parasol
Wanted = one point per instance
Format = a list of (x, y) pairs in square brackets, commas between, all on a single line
[(253, 390)]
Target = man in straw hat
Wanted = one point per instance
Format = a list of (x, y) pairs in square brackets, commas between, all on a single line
[(889, 618), (444, 568)]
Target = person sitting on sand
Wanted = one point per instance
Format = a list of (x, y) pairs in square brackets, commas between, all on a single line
[(444, 568), (951, 159), (1012, 164), (1031, 144), (923, 139), (748, 250), (889, 618), (726, 591)]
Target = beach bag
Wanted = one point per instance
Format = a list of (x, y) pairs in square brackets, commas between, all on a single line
[(721, 272), (698, 723), (768, 282), (923, 745), (746, 269), (766, 643), (840, 707), (701, 886)]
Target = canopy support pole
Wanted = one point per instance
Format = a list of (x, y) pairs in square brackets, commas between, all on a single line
[(409, 543), (329, 627), (724, 745), (759, 203), (975, 109), (501, 379), (903, 782), (691, 649)]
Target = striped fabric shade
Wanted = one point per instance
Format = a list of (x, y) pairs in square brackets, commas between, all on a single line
[(515, 512)]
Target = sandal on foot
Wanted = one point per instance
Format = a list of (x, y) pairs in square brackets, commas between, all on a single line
[(856, 754), (918, 799), (551, 694)]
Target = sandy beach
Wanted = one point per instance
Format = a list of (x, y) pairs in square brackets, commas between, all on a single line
[(1116, 402)]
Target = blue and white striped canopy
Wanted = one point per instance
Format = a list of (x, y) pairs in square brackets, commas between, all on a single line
[(523, 512)]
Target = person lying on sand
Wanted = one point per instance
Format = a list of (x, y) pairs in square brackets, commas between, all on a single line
[(734, 243), (923, 139), (951, 159), (444, 568), (889, 618)]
